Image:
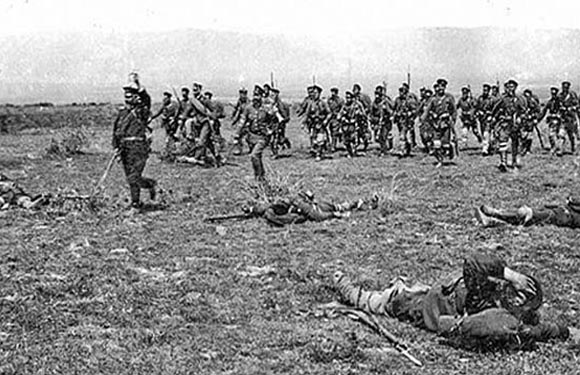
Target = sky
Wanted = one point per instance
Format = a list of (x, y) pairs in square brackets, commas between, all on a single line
[(317, 18)]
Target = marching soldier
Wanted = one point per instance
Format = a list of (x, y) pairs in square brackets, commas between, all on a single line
[(239, 109), (363, 132), (217, 110), (508, 113), (142, 93), (380, 117), (304, 105), (317, 118), (467, 105), (279, 138), (203, 125), (529, 121), (551, 112), (442, 114), (168, 114), (484, 109), (351, 116), (568, 109), (131, 143), (425, 127), (404, 117), (256, 120), (335, 103), (184, 119)]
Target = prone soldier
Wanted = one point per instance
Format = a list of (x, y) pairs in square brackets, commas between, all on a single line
[(13, 195)]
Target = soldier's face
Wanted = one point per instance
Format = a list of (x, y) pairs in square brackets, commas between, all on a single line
[(316, 94), (355, 90), (130, 99), (485, 91), (349, 99), (439, 89), (554, 93), (196, 90), (243, 95), (166, 100), (565, 88), (510, 88), (465, 94), (184, 94)]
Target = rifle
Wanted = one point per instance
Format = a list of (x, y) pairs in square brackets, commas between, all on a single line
[(372, 322), (105, 174), (220, 218), (409, 77), (539, 136), (272, 79)]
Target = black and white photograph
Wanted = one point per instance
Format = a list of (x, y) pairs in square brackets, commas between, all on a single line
[(289, 187)]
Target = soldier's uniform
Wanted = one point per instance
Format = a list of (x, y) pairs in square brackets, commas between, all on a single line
[(442, 114), (130, 139), (242, 103), (405, 109), (168, 115), (467, 105), (562, 216), (217, 111), (302, 111), (317, 118), (484, 111), (363, 131), (202, 121), (480, 305), (551, 112), (351, 116), (279, 139), (425, 126), (256, 121), (529, 121), (568, 107), (508, 112), (335, 103), (380, 114)]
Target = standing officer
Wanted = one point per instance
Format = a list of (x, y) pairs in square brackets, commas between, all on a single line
[(467, 105), (131, 143), (335, 103)]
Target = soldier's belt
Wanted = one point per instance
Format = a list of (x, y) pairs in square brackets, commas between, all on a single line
[(133, 139)]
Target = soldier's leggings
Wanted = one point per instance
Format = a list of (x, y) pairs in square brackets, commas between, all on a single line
[(384, 136), (405, 136), (258, 144), (558, 216), (134, 156), (567, 130), (466, 125), (349, 139), (426, 132), (442, 142), (205, 142)]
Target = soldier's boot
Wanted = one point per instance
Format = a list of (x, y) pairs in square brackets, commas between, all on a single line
[(503, 161), (560, 146), (572, 139), (477, 135), (135, 191)]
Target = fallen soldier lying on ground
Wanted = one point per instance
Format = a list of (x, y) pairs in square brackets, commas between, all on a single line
[(485, 303), (12, 195), (303, 207), (562, 216)]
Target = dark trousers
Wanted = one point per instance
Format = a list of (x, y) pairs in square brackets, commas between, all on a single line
[(134, 156), (258, 144)]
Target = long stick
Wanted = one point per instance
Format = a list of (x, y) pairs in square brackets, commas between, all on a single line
[(104, 176), (539, 136)]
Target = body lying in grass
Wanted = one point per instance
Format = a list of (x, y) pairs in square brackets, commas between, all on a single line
[(486, 302), (561, 216), (13, 195)]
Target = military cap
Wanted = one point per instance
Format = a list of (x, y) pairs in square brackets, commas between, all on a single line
[(405, 85), (348, 93), (465, 89), (422, 89), (356, 86), (258, 89), (402, 89), (428, 91), (554, 88), (243, 90), (317, 88), (198, 85), (566, 83), (334, 89), (486, 86), (185, 88), (495, 87), (441, 82), (527, 91), (511, 82), (267, 85), (309, 88), (379, 88), (208, 94), (274, 89), (167, 93)]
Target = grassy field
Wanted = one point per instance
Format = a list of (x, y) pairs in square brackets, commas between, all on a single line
[(166, 293)]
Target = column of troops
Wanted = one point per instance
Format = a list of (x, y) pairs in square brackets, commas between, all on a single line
[(193, 124)]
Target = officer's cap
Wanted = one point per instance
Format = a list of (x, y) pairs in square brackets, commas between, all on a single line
[(208, 94), (402, 89), (131, 87), (527, 91), (405, 85), (267, 86), (185, 89), (258, 89), (243, 90), (317, 88), (486, 86), (348, 93), (356, 86), (197, 85), (465, 89), (554, 88), (167, 93), (334, 89), (379, 88), (511, 82), (566, 84), (441, 82)]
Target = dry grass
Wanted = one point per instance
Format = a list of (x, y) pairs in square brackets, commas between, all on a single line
[(100, 292)]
